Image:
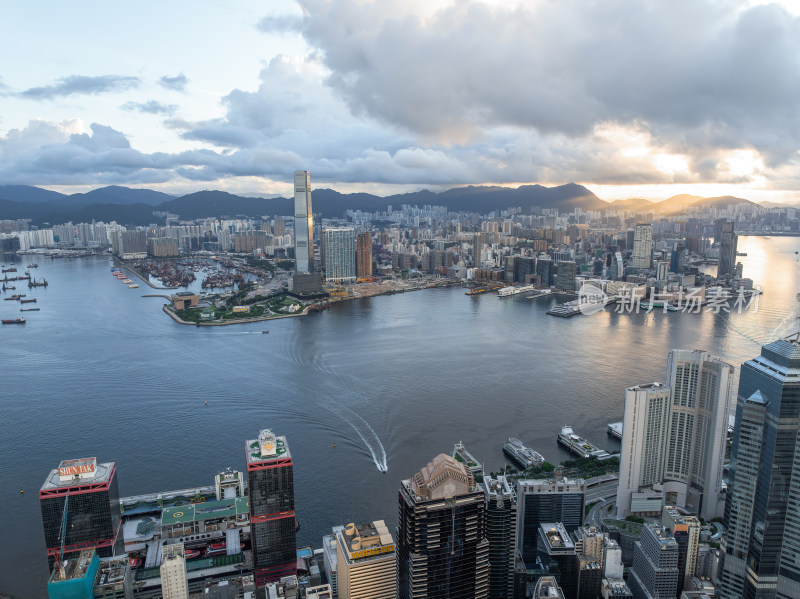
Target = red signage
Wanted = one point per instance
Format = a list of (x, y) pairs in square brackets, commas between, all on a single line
[(76, 469)]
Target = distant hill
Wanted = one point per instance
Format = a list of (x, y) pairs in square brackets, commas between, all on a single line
[(136, 206)]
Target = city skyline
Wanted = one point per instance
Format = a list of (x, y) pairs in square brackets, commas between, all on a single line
[(291, 89)]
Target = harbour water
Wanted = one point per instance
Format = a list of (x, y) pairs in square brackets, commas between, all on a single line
[(391, 381)]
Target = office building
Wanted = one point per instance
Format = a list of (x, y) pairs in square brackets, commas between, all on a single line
[(686, 532), (173, 572), (760, 555), (673, 442), (366, 563), (329, 557), (364, 254), (544, 268), (114, 579), (645, 426), (303, 223), (566, 275), (442, 552), (91, 493), (590, 577), (322, 591), (643, 246), (521, 267), (270, 482), (339, 254), (558, 557), (655, 564), (727, 250), (547, 500), (501, 533), (615, 588), (547, 588)]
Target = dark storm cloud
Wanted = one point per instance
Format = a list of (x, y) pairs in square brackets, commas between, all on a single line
[(176, 83), (695, 72), (150, 107), (80, 84)]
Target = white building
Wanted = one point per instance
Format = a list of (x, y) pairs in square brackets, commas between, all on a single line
[(173, 572)]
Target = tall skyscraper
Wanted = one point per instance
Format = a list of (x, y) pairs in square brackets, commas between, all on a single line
[(760, 554), (567, 269), (557, 555), (366, 562), (686, 532), (364, 254), (674, 436), (643, 246), (339, 254), (655, 564), (727, 250), (701, 389), (173, 572), (442, 552), (540, 501), (303, 223), (270, 480), (501, 532), (92, 515), (644, 433)]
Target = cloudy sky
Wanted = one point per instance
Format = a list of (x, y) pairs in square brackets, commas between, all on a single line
[(631, 98)]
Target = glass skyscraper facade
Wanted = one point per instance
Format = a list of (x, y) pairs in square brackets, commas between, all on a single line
[(270, 478), (760, 555)]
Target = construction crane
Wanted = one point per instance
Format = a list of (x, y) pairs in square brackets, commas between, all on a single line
[(62, 537)]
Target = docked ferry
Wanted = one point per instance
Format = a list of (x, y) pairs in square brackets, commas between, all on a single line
[(522, 455)]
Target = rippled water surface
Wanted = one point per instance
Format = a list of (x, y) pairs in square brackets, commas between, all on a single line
[(394, 380)]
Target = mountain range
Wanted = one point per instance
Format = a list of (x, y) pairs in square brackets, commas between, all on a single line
[(136, 206)]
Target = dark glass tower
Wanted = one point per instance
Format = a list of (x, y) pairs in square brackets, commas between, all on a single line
[(540, 501), (442, 552), (501, 529), (93, 514), (760, 555), (270, 481)]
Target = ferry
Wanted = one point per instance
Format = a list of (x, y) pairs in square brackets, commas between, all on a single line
[(29, 309), (461, 454), (615, 430), (580, 446), (522, 455), (14, 321), (506, 291)]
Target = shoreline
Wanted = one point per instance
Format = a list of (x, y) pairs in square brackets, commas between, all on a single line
[(177, 319), (145, 280)]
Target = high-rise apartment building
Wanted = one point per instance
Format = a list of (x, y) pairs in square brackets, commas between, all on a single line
[(339, 254), (442, 551), (501, 533), (674, 436), (643, 246), (655, 564), (364, 254), (366, 562), (727, 250), (270, 480), (303, 223), (92, 516), (760, 554), (174, 584), (540, 501)]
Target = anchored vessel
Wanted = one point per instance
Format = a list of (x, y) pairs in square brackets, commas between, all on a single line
[(522, 455), (580, 446), (14, 321), (615, 430)]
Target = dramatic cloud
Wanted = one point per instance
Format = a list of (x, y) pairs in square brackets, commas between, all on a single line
[(176, 83), (150, 107), (80, 84)]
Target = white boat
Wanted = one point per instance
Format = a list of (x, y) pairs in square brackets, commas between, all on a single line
[(580, 446), (134, 286), (522, 455)]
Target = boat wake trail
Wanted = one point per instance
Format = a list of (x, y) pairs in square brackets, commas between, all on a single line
[(366, 433)]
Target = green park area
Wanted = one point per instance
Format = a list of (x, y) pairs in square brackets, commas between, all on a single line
[(240, 305)]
